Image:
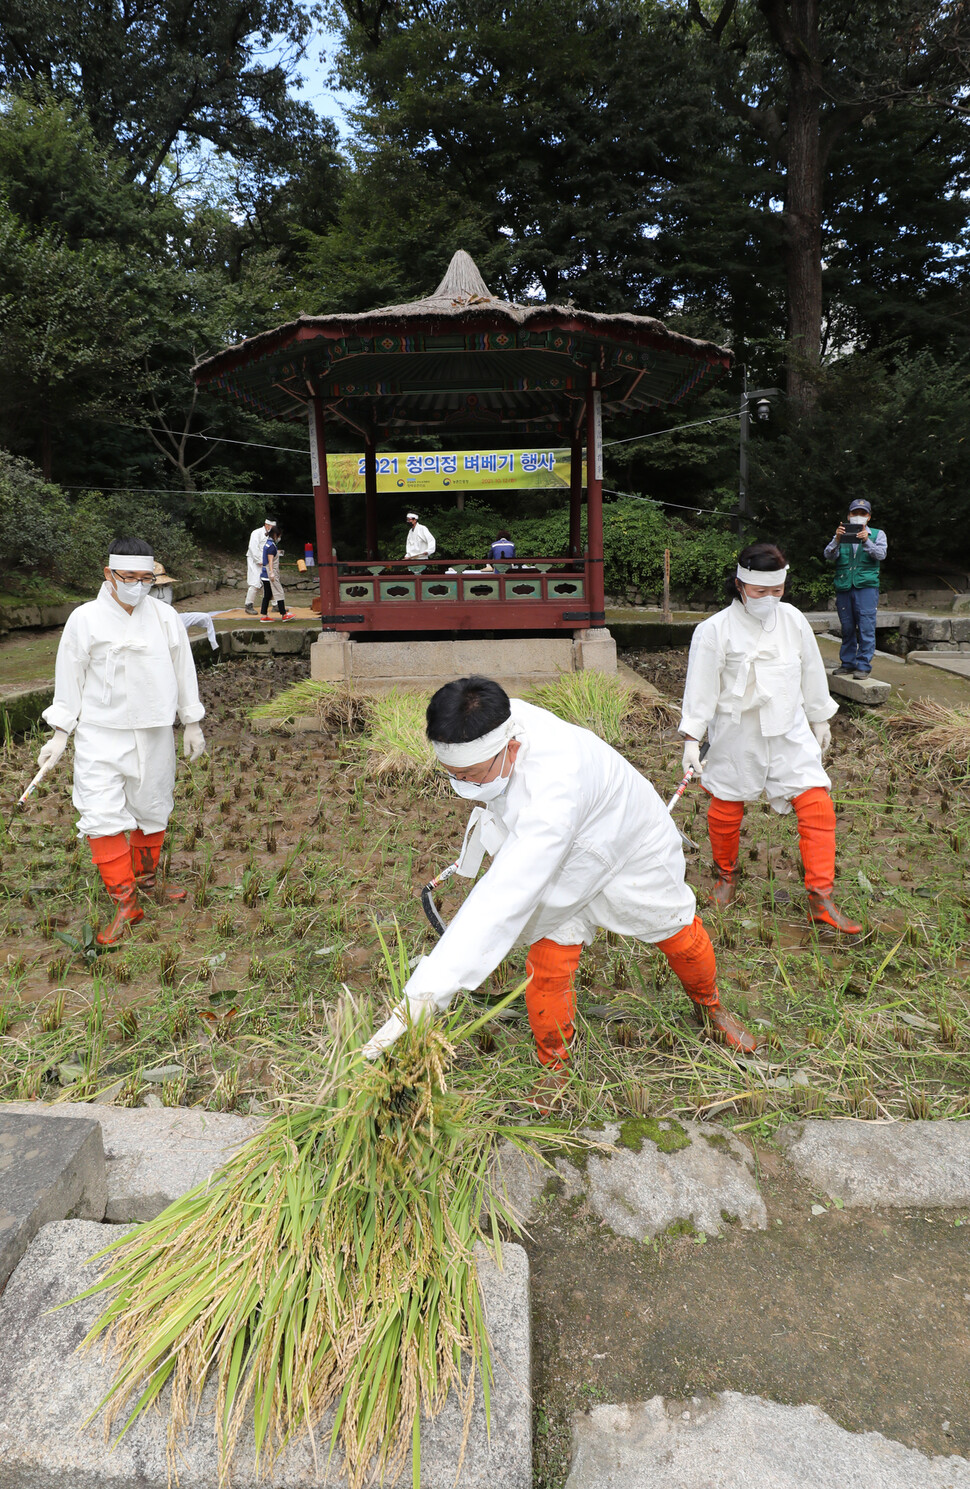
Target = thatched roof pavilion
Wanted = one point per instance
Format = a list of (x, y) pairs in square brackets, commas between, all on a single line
[(462, 362)]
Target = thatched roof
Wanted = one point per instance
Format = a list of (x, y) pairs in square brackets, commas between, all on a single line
[(461, 359)]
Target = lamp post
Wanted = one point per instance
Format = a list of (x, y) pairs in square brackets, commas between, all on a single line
[(758, 401)]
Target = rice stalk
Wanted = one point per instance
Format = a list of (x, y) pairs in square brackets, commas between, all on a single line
[(593, 700), (396, 745), (329, 1266), (938, 734), (333, 705)]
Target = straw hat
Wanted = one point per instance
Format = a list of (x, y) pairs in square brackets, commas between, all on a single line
[(160, 575)]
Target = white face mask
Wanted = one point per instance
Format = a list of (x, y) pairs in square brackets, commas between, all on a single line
[(485, 790), (132, 593), (764, 608)]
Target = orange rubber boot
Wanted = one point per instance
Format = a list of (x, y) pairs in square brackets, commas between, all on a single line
[(550, 999), (691, 958), (724, 831), (112, 858), (146, 848), (816, 839)]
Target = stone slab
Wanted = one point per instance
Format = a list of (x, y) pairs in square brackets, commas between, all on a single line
[(640, 1190), (882, 1163), (946, 661), (732, 1441), (47, 1172), (867, 690), (440, 661), (46, 1391), (153, 1156)]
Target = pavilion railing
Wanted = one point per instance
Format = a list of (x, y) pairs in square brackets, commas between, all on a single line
[(442, 581)]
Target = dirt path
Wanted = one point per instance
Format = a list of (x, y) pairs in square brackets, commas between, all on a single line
[(864, 1314)]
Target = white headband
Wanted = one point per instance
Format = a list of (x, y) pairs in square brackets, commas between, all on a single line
[(412, 514), (476, 751), (269, 521), (766, 577), (127, 562)]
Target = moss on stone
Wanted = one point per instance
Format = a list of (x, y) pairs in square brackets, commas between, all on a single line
[(668, 1136)]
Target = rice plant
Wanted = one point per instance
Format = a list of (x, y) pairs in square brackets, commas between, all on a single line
[(333, 705), (593, 700), (938, 734), (395, 744), (330, 1266)]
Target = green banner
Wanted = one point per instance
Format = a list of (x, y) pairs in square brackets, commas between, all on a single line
[(458, 470)]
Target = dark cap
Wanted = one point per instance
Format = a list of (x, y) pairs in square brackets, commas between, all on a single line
[(860, 506)]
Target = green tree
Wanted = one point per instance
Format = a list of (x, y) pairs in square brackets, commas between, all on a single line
[(799, 76), (151, 73), (73, 332)]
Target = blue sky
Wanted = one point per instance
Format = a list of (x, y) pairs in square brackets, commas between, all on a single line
[(327, 101)]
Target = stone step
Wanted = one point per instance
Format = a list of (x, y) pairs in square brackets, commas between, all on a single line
[(925, 1164), (733, 1441), (868, 690), (47, 1391), (48, 1170), (151, 1156), (946, 661)]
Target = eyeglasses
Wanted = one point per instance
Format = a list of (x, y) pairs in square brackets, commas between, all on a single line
[(478, 780), (127, 577)]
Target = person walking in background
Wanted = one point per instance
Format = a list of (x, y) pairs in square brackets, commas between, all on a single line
[(857, 550), (503, 547), (270, 579), (254, 562), (124, 670), (420, 543), (756, 686)]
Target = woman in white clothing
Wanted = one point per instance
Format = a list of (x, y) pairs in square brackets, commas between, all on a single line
[(124, 670), (757, 687)]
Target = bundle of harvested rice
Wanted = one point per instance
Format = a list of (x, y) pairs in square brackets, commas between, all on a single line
[(939, 734), (396, 744), (330, 1264), (334, 706), (601, 702)]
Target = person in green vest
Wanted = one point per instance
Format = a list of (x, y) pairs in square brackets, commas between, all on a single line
[(857, 550)]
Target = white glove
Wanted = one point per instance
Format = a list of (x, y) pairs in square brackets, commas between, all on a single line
[(823, 733), (409, 1010), (193, 742), (692, 757), (52, 751)]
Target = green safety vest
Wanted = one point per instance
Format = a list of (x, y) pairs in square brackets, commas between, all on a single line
[(854, 568)]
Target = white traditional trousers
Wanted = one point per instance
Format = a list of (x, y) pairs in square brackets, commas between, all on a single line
[(123, 778)]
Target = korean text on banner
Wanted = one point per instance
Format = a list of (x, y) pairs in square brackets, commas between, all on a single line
[(456, 470)]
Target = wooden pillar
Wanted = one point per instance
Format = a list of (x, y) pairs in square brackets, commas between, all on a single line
[(576, 498), (326, 564), (594, 505), (370, 496)]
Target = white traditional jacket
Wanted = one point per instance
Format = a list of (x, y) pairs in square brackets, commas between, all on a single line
[(254, 554), (420, 543), (579, 840), (122, 671), (736, 665)]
